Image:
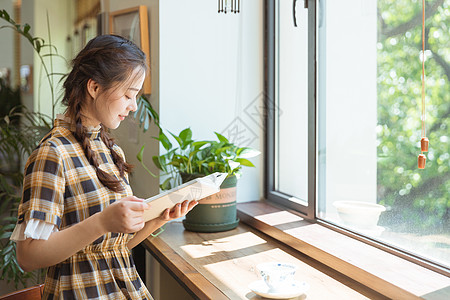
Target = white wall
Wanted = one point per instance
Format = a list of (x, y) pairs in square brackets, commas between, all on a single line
[(211, 70)]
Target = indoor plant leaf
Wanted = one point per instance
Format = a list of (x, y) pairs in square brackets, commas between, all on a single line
[(221, 137), (244, 162), (247, 152)]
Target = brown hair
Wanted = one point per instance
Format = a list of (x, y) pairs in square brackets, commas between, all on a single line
[(109, 60)]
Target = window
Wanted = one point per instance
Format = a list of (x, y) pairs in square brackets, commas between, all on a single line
[(288, 57), (344, 129)]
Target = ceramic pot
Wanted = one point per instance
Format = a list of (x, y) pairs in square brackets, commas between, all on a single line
[(214, 213), (362, 215)]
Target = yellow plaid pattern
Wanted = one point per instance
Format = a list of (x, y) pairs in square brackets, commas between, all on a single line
[(61, 187)]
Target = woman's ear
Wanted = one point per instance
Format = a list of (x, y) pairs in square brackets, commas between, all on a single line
[(93, 88)]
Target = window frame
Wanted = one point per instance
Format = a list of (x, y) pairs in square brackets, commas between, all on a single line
[(308, 212)]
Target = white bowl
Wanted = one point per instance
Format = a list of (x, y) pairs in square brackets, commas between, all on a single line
[(277, 275), (358, 214)]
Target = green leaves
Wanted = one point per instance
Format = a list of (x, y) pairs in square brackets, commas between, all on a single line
[(26, 28), (145, 113), (23, 30), (17, 139), (201, 157), (140, 158), (414, 196), (221, 138), (184, 138), (247, 152), (4, 15), (38, 45), (20, 132), (244, 162)]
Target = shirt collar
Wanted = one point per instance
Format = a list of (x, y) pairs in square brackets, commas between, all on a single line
[(66, 122)]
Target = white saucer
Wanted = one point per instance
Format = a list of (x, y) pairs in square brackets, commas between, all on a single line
[(296, 289)]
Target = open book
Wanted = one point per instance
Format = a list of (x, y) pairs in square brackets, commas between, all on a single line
[(195, 189)]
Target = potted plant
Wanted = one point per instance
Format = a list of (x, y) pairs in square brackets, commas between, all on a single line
[(192, 159)]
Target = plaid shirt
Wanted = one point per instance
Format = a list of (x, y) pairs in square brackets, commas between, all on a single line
[(61, 187)]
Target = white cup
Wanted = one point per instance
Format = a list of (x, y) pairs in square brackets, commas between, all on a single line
[(277, 275)]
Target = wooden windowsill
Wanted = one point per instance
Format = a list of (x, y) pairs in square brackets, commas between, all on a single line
[(222, 265), (385, 273)]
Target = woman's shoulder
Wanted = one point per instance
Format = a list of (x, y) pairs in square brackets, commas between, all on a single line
[(57, 142), (59, 136)]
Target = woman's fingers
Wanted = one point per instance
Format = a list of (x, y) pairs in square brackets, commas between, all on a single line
[(191, 205), (166, 215), (125, 215), (176, 212), (179, 210), (138, 206), (135, 203)]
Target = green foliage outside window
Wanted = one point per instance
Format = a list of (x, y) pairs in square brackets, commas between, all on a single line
[(419, 200)]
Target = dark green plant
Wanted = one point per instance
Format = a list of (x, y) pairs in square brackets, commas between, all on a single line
[(9, 98), (199, 157), (145, 113), (17, 140), (20, 132)]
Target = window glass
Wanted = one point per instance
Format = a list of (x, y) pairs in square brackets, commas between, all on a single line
[(369, 124), (291, 119)]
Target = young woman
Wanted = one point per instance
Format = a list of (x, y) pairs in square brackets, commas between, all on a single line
[(78, 215)]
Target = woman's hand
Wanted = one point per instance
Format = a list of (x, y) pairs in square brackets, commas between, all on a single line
[(124, 216), (178, 210)]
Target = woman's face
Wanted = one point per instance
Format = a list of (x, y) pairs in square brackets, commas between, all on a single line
[(112, 106)]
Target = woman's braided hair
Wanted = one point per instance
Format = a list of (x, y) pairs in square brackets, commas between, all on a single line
[(109, 60)]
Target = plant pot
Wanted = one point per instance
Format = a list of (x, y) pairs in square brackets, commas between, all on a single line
[(214, 213), (362, 215)]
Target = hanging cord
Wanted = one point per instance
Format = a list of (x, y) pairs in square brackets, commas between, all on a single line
[(423, 68), (424, 140)]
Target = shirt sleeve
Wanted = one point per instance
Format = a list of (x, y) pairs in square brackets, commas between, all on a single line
[(33, 228), (43, 188)]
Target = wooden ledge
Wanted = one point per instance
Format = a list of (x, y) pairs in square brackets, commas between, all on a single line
[(222, 265), (183, 272), (388, 274)]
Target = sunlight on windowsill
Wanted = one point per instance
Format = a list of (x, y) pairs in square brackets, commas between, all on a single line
[(278, 218), (373, 267), (237, 242)]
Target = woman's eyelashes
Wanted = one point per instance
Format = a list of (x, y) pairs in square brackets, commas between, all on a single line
[(130, 97)]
